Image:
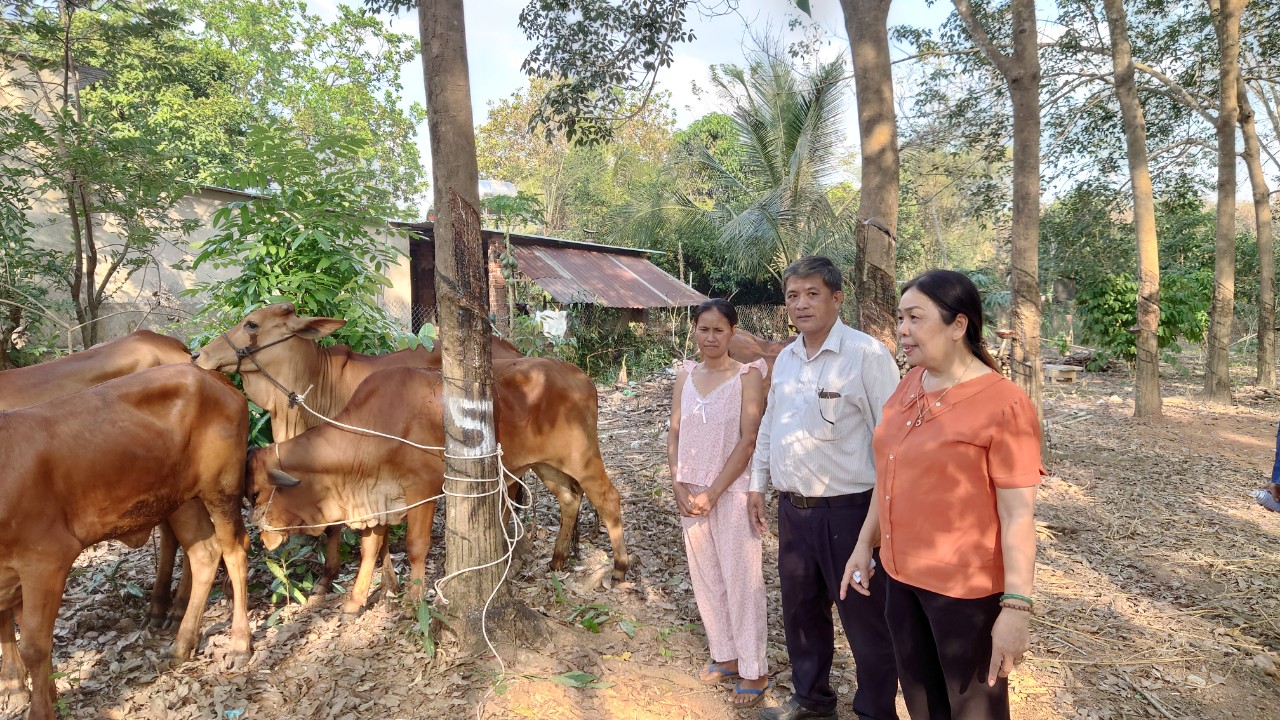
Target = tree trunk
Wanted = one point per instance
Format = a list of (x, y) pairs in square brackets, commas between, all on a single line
[(82, 279), (1217, 374), (474, 537), (875, 291), (1147, 401), (1021, 70), (1266, 251), (92, 300)]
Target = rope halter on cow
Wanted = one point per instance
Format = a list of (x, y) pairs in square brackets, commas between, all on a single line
[(511, 535), (249, 351)]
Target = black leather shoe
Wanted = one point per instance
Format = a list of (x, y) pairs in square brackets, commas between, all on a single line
[(793, 710)]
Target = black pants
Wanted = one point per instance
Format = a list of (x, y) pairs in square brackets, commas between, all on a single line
[(813, 546), (943, 647)]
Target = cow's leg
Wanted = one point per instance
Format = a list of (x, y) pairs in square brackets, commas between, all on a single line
[(417, 539), (195, 529), (569, 494), (190, 528), (42, 588), (162, 591), (372, 541), (229, 527), (390, 583), (332, 559), (13, 674), (179, 604), (589, 470)]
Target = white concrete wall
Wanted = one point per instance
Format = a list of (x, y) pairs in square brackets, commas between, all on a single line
[(151, 297)]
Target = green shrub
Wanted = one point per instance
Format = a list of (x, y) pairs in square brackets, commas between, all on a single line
[(1108, 311)]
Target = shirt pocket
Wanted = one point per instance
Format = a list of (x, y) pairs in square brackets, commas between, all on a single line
[(825, 415)]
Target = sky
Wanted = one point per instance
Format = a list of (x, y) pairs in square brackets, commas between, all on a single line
[(496, 47)]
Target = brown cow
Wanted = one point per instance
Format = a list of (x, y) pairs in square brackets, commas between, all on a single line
[(27, 386), (275, 352), (745, 347), (139, 350), (110, 462), (545, 422)]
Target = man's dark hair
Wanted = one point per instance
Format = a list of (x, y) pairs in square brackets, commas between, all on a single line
[(811, 265)]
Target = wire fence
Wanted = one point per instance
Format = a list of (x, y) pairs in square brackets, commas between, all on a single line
[(766, 321)]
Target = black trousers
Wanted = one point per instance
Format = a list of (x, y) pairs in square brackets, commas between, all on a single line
[(813, 546), (943, 647)]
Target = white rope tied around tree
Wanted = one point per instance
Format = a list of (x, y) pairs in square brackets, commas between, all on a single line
[(508, 504)]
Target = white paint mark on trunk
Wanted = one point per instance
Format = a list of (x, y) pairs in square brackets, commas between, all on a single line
[(468, 415)]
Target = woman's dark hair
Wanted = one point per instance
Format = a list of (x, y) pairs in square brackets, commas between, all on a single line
[(955, 294), (720, 305)]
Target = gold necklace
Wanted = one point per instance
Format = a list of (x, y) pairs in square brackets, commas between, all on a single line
[(921, 405)]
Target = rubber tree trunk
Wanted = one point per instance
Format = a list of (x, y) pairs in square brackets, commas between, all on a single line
[(1266, 250), (473, 525), (1217, 374), (1147, 402), (873, 276), (1021, 70)]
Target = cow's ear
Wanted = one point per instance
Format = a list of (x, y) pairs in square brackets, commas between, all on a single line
[(280, 478), (314, 328)]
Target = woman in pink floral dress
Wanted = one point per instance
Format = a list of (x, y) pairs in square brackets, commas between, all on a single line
[(715, 413)]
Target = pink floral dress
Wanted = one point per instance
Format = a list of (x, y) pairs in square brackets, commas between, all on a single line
[(725, 554)]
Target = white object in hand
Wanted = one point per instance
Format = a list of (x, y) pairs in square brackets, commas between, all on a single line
[(857, 574)]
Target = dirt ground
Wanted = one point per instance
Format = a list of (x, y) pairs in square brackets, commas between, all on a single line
[(1158, 585)]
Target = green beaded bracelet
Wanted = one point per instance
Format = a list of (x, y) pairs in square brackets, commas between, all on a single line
[(1023, 598)]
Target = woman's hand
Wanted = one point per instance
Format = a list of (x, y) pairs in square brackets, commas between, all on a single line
[(682, 500), (703, 503), (858, 570), (1010, 640)]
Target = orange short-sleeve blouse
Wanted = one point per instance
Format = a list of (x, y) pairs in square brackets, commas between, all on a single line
[(936, 482)]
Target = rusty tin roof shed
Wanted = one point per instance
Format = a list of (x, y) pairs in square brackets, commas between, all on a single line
[(579, 272)]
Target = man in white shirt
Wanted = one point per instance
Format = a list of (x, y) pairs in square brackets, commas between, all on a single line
[(814, 445)]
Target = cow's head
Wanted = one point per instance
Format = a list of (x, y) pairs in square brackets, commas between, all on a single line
[(262, 334), (278, 500)]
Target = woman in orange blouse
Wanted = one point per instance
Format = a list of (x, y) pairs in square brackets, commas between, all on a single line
[(957, 466)]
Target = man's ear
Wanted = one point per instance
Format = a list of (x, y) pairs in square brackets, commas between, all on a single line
[(839, 296)]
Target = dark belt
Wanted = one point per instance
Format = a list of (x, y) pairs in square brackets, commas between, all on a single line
[(804, 503)]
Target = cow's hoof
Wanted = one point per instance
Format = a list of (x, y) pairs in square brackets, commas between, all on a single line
[(168, 663), (178, 655), (169, 621), (236, 660), (351, 608)]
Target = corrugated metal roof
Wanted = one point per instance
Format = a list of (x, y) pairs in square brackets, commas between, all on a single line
[(573, 275)]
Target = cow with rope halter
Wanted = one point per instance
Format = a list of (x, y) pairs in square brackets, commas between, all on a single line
[(380, 460), (298, 383)]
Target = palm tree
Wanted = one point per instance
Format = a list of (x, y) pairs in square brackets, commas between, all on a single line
[(772, 205)]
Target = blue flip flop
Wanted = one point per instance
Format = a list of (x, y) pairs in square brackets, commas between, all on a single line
[(714, 673), (758, 695)]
